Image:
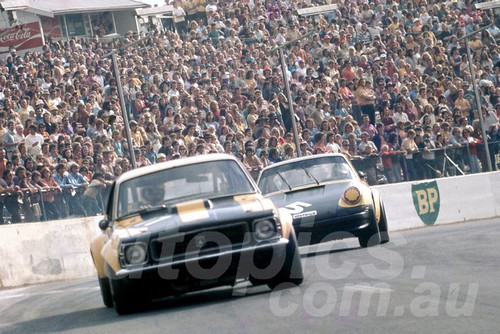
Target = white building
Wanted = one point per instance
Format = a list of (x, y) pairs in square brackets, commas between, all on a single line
[(24, 24)]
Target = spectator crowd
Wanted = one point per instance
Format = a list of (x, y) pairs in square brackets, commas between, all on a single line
[(386, 83)]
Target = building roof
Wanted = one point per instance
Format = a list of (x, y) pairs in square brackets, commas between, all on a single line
[(152, 11), (59, 7)]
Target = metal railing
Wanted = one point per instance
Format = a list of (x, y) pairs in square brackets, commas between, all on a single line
[(35, 205), (428, 164)]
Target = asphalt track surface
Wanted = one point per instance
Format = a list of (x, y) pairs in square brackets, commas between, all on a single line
[(441, 279)]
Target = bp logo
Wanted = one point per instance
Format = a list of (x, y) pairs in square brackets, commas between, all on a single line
[(426, 200)]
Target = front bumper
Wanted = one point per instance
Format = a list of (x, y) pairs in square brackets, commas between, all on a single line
[(206, 271), (335, 227)]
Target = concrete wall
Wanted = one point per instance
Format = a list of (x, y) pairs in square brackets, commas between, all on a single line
[(49, 251), (462, 198)]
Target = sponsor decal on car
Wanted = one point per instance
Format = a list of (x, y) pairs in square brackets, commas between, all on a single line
[(296, 209)]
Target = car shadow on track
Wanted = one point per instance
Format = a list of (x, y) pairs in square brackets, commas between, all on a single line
[(101, 316), (207, 297), (329, 247)]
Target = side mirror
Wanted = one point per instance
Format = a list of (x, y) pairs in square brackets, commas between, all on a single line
[(362, 175), (104, 224)]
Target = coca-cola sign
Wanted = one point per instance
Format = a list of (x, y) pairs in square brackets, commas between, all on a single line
[(23, 37)]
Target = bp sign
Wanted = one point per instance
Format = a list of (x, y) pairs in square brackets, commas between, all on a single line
[(426, 201)]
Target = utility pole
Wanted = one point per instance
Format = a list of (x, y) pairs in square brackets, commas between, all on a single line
[(287, 89), (476, 94), (119, 86)]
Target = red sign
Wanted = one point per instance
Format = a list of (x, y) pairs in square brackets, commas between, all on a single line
[(23, 37), (51, 26)]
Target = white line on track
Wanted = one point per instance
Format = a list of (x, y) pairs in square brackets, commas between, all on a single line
[(11, 293)]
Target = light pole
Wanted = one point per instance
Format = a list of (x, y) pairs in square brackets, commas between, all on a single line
[(478, 102), (287, 89), (119, 87), (124, 110), (290, 102), (476, 93)]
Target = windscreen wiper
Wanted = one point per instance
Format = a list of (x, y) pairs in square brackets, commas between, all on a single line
[(310, 175), (284, 180), (146, 209)]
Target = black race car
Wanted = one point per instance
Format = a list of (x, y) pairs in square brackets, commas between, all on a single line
[(327, 199)]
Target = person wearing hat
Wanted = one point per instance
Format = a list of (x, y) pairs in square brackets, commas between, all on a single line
[(66, 79), (274, 122), (136, 134), (39, 103), (140, 158), (161, 158)]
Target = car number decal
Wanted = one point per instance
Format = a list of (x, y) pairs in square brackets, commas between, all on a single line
[(296, 209)]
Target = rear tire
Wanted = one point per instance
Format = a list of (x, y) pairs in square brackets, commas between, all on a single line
[(291, 272), (370, 236), (107, 297)]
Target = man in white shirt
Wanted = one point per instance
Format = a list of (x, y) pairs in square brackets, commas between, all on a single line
[(34, 141), (179, 18), (211, 7)]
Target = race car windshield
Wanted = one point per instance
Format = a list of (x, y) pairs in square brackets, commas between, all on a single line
[(304, 173), (185, 183)]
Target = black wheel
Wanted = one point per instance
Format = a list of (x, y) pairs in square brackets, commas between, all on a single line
[(107, 298), (382, 226), (127, 297), (370, 236), (291, 271)]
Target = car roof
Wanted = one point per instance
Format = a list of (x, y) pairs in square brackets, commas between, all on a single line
[(138, 172), (305, 158), (309, 157)]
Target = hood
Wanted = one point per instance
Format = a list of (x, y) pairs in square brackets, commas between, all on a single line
[(317, 200), (192, 215)]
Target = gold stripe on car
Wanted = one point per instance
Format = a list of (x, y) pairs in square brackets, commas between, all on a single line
[(191, 211)]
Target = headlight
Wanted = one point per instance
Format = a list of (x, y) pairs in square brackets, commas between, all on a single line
[(264, 229), (352, 195), (135, 254)]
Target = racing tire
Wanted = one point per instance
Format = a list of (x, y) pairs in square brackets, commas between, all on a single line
[(291, 271), (382, 226), (107, 297), (127, 297), (370, 236)]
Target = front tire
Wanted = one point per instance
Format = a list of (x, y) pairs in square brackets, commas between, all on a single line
[(384, 231), (127, 297), (107, 297), (370, 236), (291, 272)]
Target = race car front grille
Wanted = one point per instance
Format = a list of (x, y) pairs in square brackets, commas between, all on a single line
[(198, 243)]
